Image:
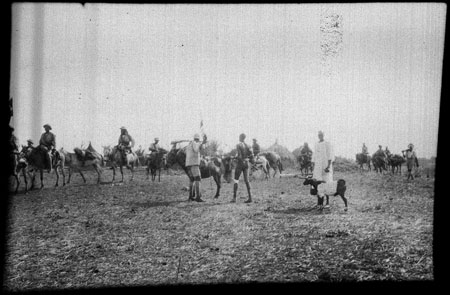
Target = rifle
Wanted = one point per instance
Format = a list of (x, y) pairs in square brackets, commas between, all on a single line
[(179, 141)]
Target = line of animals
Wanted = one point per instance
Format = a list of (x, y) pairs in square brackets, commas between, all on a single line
[(30, 160)]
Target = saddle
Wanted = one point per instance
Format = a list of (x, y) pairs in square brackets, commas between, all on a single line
[(84, 155)]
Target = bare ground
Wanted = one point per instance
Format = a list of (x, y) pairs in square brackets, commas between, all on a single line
[(147, 233)]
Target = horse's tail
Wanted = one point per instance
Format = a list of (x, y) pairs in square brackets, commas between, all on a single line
[(280, 166)]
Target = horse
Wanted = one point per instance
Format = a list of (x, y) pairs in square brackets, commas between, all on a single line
[(73, 162), (209, 167), (18, 165), (37, 160), (120, 158), (261, 163), (306, 166), (155, 162), (362, 159), (379, 163), (396, 161), (274, 161)]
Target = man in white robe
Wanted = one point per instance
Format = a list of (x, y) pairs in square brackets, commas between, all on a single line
[(323, 158)]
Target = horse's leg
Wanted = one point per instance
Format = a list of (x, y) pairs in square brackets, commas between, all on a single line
[(121, 172), (114, 173), (25, 179), (148, 172), (57, 176), (132, 172), (64, 175), (159, 174), (82, 176), (218, 184), (98, 173), (33, 179), (17, 177), (41, 174)]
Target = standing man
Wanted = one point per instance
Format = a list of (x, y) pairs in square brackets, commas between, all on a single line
[(411, 159), (126, 141), (193, 166), (48, 144), (323, 158), (244, 156)]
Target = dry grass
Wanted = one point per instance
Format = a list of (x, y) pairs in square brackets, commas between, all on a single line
[(143, 233)]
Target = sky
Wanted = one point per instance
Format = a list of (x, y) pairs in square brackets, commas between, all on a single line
[(258, 69)]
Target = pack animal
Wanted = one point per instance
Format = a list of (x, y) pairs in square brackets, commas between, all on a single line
[(363, 159), (209, 167), (261, 163), (274, 161), (306, 166), (74, 163), (155, 162)]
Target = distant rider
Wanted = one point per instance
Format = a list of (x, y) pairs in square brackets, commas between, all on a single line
[(48, 144)]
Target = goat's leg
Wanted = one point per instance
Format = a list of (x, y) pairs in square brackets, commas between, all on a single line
[(345, 202)]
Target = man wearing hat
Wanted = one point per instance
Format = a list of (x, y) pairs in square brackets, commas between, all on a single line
[(193, 166), (411, 159), (48, 143), (154, 147), (29, 146), (323, 158), (126, 142), (244, 156), (256, 148)]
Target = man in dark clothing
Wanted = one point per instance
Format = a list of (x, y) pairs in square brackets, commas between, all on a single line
[(244, 157), (48, 144)]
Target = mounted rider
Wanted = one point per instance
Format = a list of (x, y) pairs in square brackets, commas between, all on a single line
[(126, 142), (387, 152), (306, 152), (155, 147), (47, 143), (29, 147)]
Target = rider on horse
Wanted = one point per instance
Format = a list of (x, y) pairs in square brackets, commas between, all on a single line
[(125, 140), (48, 144), (306, 153), (154, 147)]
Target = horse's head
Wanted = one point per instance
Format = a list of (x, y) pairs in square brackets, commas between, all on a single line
[(227, 162), (175, 156)]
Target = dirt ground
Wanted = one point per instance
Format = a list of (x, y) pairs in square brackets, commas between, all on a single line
[(146, 233)]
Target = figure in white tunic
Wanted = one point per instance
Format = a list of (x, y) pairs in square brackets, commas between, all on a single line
[(323, 158)]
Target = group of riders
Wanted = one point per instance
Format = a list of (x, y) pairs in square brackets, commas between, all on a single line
[(408, 154)]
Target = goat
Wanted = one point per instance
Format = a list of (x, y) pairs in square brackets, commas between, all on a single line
[(326, 189)]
